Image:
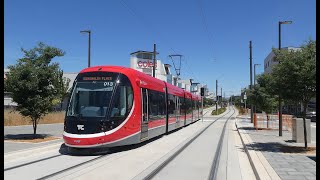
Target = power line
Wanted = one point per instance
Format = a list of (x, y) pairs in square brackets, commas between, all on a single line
[(205, 24), (149, 26)]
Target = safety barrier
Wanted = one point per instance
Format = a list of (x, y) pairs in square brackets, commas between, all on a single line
[(262, 121)]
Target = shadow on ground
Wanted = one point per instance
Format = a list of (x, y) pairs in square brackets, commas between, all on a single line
[(278, 147), (248, 128), (26, 136), (313, 158)]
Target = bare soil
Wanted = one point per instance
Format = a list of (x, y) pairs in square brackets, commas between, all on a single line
[(299, 150), (33, 140)]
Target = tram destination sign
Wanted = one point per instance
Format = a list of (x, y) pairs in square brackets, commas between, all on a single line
[(97, 78)]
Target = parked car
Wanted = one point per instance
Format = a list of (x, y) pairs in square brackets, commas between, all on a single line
[(311, 115)]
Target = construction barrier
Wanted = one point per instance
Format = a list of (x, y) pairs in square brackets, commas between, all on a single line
[(262, 121)]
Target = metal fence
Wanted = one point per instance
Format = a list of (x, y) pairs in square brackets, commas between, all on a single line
[(262, 122)]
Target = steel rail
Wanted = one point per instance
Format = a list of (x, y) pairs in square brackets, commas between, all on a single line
[(215, 163), (167, 161)]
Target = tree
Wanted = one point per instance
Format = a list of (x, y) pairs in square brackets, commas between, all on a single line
[(35, 82), (296, 76), (262, 95)]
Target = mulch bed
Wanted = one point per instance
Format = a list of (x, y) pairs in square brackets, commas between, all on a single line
[(30, 138), (299, 150)]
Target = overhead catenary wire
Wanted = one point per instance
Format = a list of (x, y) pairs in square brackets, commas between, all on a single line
[(149, 26), (205, 25)]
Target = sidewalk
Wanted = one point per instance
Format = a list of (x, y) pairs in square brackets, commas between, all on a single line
[(272, 156), (16, 132)]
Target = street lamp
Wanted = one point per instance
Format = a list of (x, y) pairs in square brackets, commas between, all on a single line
[(280, 106), (89, 32)]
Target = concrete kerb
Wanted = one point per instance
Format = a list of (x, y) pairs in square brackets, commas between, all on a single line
[(261, 167), (30, 152)]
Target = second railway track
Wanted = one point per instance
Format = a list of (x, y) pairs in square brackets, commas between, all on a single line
[(215, 163)]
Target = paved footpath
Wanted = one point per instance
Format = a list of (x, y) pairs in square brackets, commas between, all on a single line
[(266, 146), (11, 132)]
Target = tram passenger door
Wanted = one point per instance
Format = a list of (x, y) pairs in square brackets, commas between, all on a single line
[(145, 115)]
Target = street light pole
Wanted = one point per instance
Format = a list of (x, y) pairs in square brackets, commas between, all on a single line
[(280, 105), (154, 60), (251, 108), (89, 46), (221, 99), (217, 96)]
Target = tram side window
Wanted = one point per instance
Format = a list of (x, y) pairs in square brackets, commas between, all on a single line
[(178, 106), (162, 105), (171, 105), (188, 106), (153, 104), (183, 106), (123, 100), (157, 106)]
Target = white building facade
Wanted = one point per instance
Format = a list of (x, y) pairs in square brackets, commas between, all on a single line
[(143, 61), (269, 61)]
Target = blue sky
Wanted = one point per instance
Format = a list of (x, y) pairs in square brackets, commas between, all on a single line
[(212, 35)]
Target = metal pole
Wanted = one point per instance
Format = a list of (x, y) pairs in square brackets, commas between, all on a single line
[(280, 106), (154, 60), (251, 108), (217, 96), (221, 99), (89, 49), (202, 108)]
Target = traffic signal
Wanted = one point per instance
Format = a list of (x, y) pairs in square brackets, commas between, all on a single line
[(202, 91)]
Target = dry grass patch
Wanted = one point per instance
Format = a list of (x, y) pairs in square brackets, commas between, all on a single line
[(14, 118)]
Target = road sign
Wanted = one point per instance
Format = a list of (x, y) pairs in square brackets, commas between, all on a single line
[(244, 97)]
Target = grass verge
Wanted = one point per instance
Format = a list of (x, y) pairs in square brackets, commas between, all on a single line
[(14, 118), (220, 111)]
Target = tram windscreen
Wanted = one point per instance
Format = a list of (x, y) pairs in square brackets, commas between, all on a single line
[(90, 99), (100, 96)]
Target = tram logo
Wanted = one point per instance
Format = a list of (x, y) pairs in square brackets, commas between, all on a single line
[(80, 127)]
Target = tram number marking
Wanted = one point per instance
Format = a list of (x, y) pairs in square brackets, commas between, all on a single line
[(80, 127), (109, 84)]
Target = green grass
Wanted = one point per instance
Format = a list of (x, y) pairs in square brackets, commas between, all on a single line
[(220, 111)]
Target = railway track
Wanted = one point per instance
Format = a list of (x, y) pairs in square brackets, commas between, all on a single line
[(45, 162), (215, 163)]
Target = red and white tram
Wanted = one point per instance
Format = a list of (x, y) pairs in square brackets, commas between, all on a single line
[(115, 106)]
